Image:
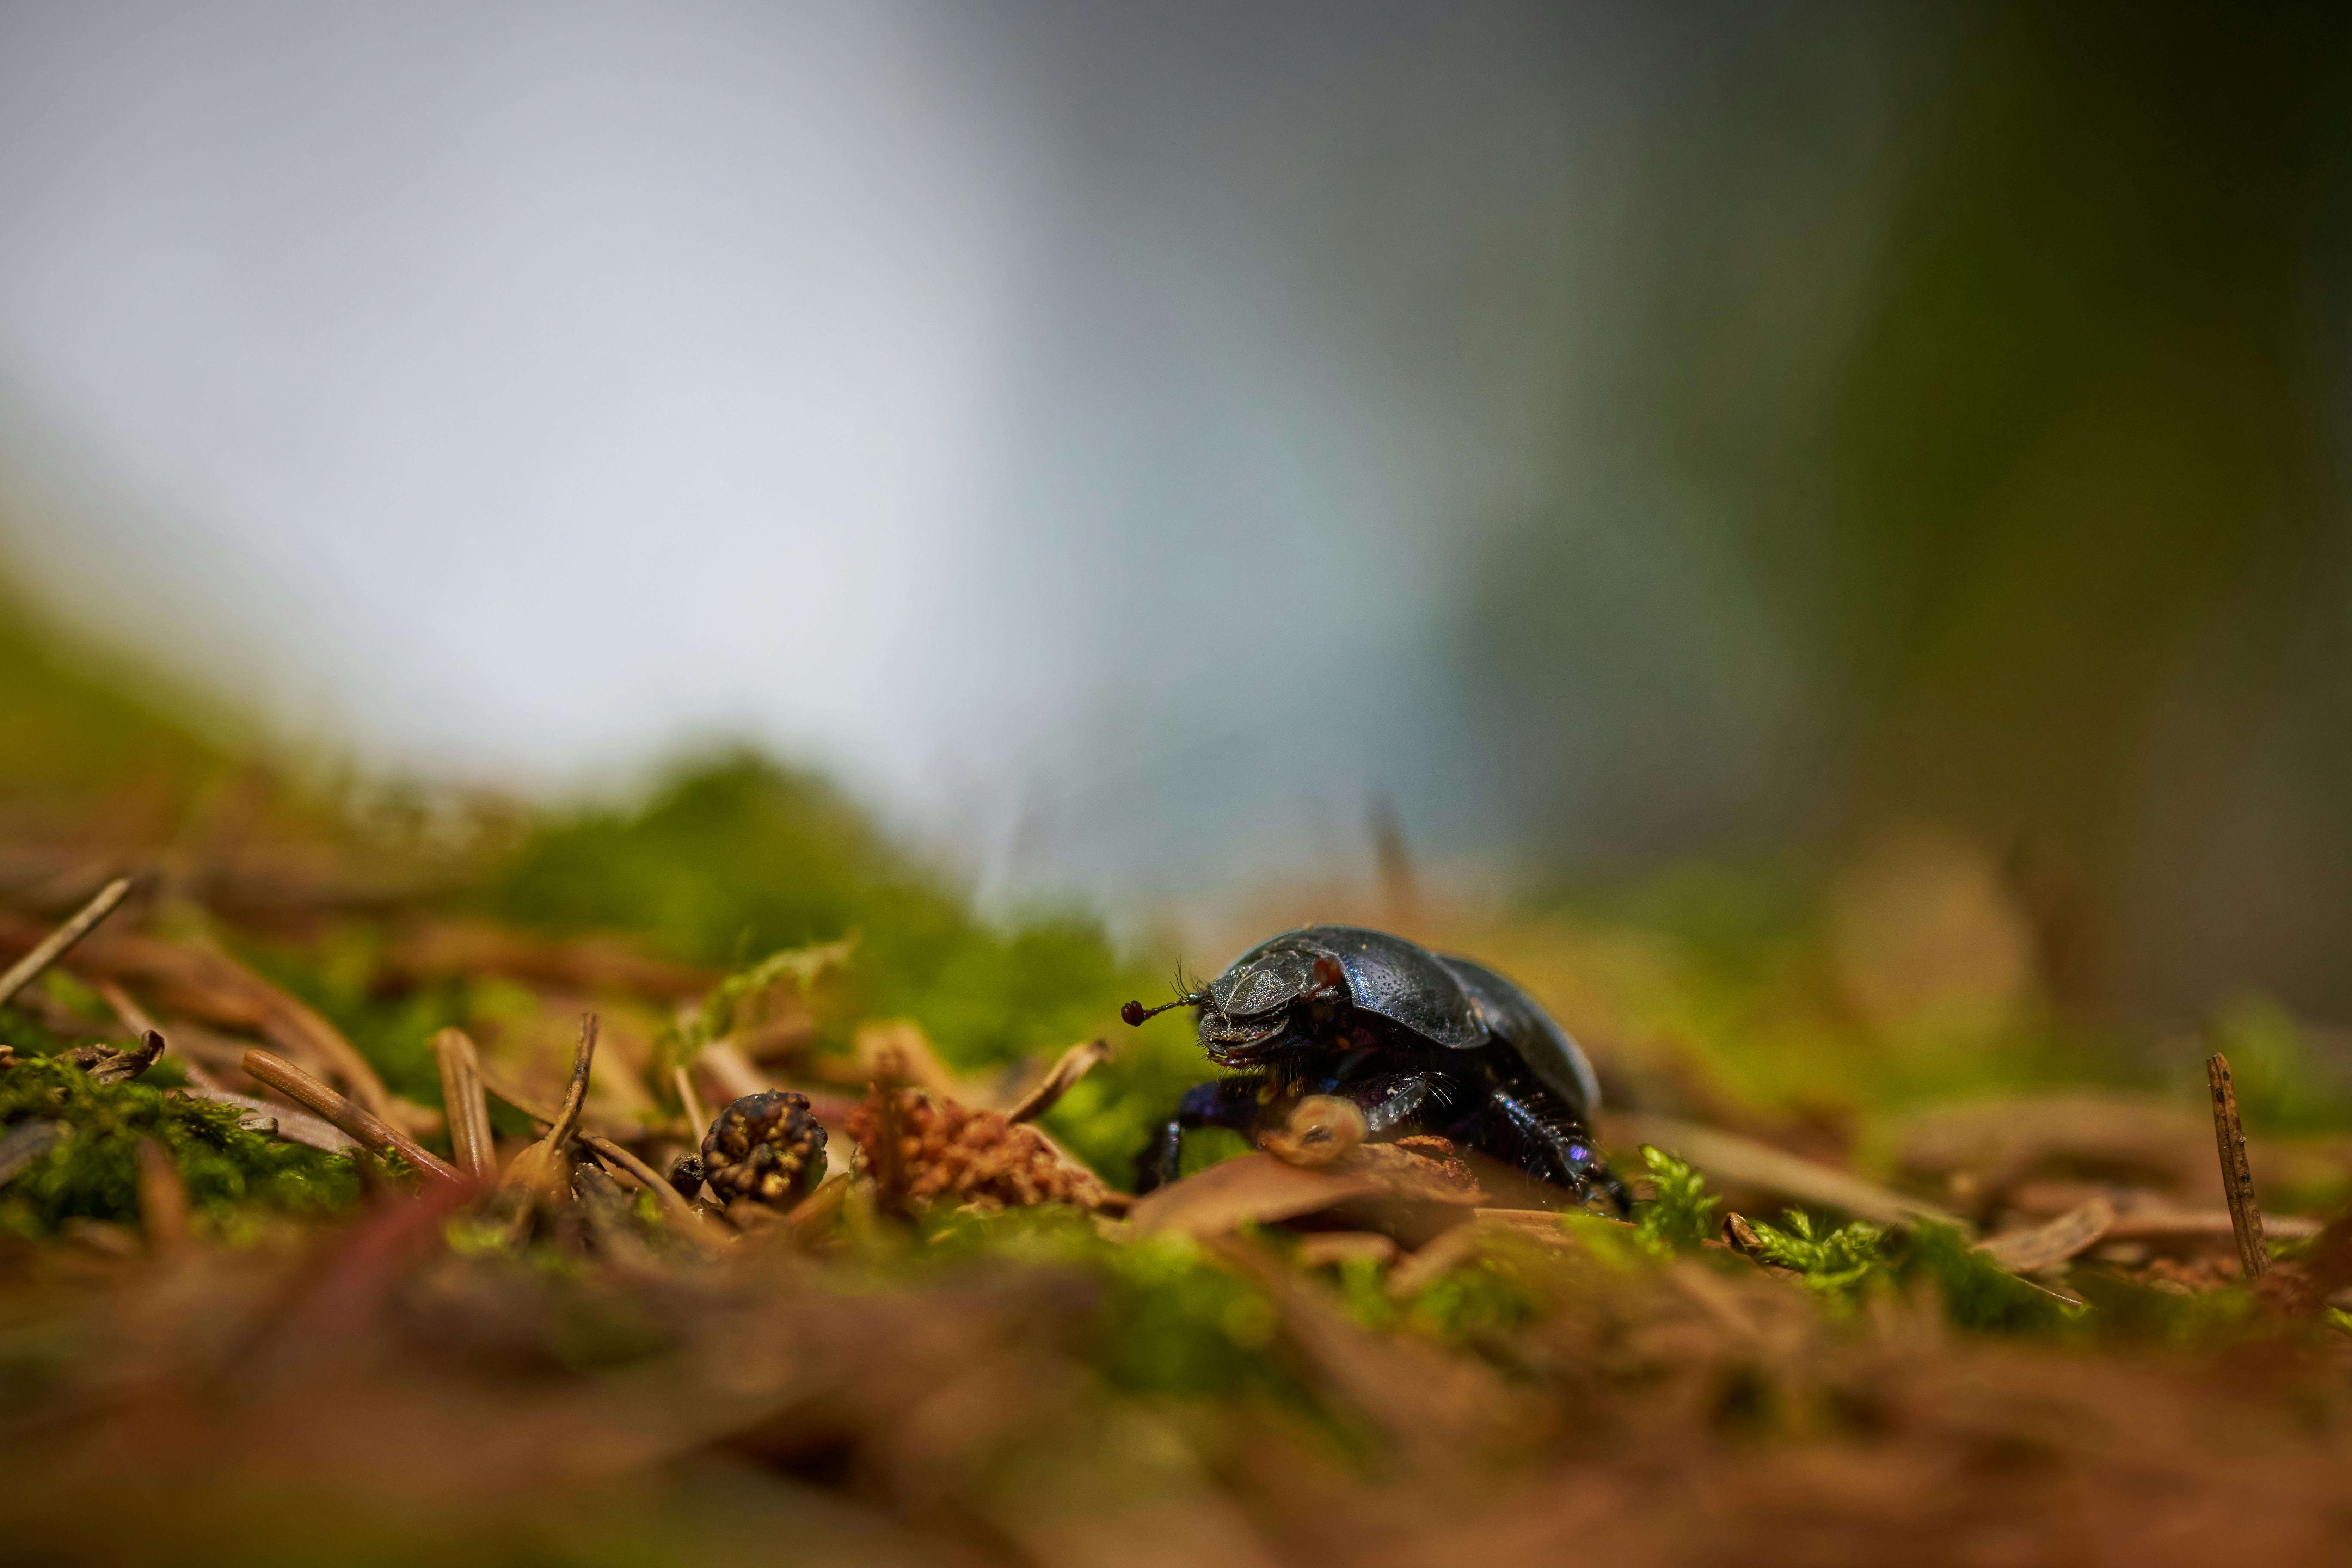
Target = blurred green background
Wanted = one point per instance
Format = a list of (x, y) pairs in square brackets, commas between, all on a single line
[(1862, 477)]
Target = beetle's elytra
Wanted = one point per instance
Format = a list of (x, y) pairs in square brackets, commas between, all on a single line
[(1424, 1042)]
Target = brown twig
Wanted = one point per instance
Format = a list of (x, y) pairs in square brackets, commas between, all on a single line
[(1074, 1065), (542, 1173), (347, 1115), (682, 1214), (2237, 1175), (695, 1117), (463, 1104), (28, 969), (888, 1153)]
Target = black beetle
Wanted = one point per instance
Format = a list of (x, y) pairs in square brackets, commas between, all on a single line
[(1424, 1042)]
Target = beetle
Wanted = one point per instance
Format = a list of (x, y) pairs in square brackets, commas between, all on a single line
[(1420, 1041)]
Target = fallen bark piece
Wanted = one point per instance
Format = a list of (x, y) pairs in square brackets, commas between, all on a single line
[(2046, 1245), (1248, 1189), (58, 943), (351, 1118), (1436, 1177), (1728, 1157), (2237, 1174)]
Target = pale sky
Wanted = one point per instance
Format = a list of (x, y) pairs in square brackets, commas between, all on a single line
[(1065, 423)]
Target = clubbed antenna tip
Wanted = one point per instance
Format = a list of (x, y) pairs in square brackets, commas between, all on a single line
[(1135, 1013)]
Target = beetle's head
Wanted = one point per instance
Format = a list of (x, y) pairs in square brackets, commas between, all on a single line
[(1260, 1009)]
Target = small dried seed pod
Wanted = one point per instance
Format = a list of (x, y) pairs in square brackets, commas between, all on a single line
[(765, 1147), (685, 1173)]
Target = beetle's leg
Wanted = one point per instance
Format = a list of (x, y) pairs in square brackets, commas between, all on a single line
[(1401, 1100), (1222, 1103), (1561, 1151)]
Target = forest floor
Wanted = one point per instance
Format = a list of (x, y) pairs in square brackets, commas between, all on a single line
[(1965, 1292)]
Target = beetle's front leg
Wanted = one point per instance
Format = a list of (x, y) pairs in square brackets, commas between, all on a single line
[(1562, 1153), (1222, 1102)]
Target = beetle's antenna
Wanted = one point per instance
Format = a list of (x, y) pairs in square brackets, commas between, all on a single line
[(1135, 1013)]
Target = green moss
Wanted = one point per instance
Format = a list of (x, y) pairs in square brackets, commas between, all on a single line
[(737, 857), (92, 1172), (1682, 1216), (1172, 1320), (1834, 1262)]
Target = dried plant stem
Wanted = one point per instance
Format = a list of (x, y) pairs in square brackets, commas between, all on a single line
[(346, 1115), (542, 1174), (462, 1101), (682, 1214), (1075, 1064), (28, 969), (696, 1117), (2237, 1173)]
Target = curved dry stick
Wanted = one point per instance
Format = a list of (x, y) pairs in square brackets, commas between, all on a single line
[(543, 1171), (673, 1204), (575, 1094), (1074, 1065), (347, 1115), (28, 969)]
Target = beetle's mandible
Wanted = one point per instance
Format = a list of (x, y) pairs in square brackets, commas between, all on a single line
[(1424, 1042)]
